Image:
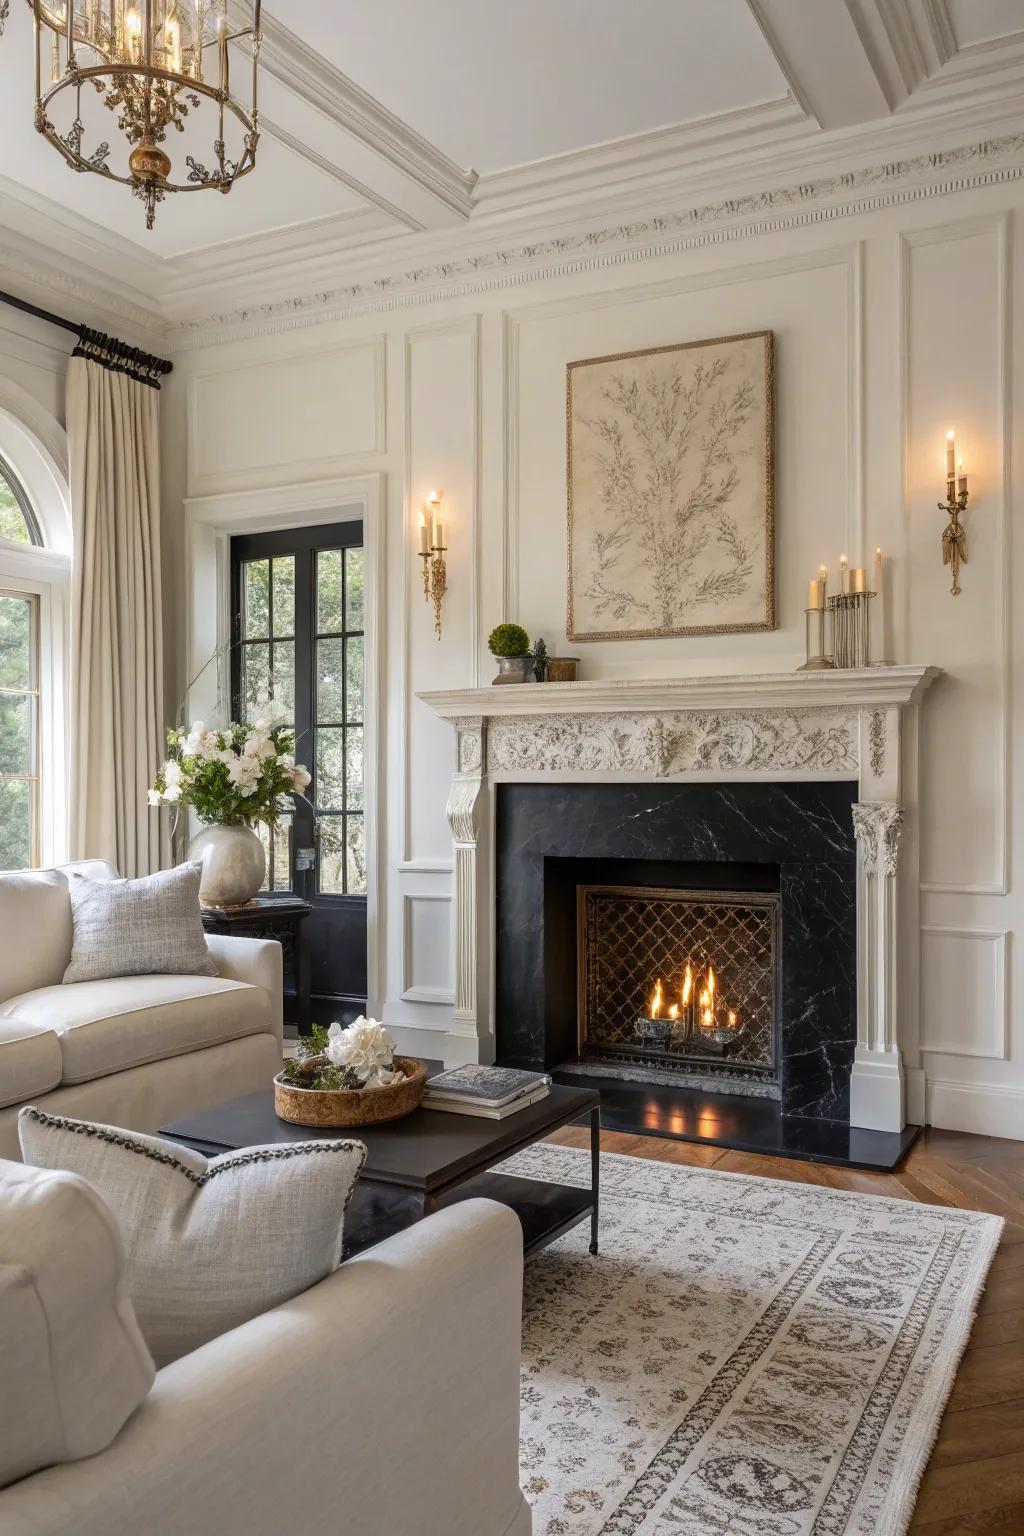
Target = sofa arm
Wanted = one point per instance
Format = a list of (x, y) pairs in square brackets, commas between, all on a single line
[(383, 1402), (257, 961)]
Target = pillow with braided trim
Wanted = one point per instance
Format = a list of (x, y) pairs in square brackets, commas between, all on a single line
[(209, 1243)]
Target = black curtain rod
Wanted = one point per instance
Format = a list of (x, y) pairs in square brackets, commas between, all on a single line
[(154, 365)]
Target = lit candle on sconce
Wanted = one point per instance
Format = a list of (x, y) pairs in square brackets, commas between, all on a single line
[(961, 478), (844, 574), (954, 537), (951, 454), (437, 531), (432, 552)]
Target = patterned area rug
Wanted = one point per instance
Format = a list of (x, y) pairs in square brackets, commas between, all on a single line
[(745, 1357)]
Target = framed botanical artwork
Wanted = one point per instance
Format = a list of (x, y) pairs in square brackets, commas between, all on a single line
[(671, 490)]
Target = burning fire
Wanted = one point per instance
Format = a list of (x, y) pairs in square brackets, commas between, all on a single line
[(707, 1009)]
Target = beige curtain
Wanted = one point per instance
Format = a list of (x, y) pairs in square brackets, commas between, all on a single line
[(116, 685)]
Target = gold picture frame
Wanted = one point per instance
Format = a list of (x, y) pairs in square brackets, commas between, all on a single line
[(671, 490)]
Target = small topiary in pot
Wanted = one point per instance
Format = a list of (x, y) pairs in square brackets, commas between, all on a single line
[(509, 644)]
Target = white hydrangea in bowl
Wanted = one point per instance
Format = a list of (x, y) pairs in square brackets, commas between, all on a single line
[(348, 1075)]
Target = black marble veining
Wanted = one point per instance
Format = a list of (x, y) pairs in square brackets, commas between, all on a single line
[(796, 838)]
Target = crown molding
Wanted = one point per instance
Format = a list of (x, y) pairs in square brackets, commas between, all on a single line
[(839, 194), (310, 77)]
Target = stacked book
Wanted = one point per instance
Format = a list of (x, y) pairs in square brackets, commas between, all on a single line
[(491, 1093)]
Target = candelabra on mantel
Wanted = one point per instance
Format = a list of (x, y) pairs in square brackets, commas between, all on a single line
[(432, 552), (843, 617), (954, 536)]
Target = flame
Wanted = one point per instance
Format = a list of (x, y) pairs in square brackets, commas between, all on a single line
[(711, 986), (687, 985), (656, 1000), (673, 1012), (732, 1019), (709, 1019)]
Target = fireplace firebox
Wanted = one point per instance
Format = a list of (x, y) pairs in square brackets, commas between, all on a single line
[(680, 979)]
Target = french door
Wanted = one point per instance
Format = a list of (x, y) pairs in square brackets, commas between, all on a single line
[(298, 660)]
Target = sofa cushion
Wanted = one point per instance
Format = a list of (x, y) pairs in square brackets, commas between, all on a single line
[(138, 927), (209, 1244), (108, 1026), (30, 1060), (74, 1363), (35, 920)]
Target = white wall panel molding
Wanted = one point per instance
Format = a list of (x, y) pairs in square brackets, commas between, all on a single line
[(311, 411), (965, 983), (445, 272), (426, 947), (465, 531), (992, 503), (850, 257)]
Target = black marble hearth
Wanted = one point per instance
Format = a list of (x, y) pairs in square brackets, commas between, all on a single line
[(795, 838)]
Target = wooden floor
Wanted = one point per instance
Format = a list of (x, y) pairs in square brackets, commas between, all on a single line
[(975, 1479)]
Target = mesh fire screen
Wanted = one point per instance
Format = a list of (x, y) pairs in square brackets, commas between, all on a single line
[(631, 938)]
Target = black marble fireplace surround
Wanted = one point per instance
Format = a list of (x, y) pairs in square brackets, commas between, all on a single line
[(796, 838)]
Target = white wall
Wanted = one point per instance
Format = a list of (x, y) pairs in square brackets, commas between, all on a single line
[(889, 326)]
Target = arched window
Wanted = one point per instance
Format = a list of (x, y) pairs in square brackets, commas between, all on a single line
[(35, 562), (17, 520)]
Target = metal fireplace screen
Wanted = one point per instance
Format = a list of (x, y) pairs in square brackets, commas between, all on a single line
[(631, 937)]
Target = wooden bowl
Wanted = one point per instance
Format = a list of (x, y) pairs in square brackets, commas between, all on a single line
[(353, 1106)]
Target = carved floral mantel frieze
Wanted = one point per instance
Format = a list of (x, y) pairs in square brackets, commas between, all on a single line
[(661, 745)]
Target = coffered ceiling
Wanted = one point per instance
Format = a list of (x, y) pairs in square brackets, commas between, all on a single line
[(394, 131)]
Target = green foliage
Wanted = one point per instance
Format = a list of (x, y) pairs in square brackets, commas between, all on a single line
[(312, 1070), (509, 640), (12, 519), (16, 720), (540, 660)]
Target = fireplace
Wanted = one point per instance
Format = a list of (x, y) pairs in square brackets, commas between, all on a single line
[(848, 1047), (757, 881), (684, 980)]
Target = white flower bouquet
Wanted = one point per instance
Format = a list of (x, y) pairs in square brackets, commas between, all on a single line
[(238, 776)]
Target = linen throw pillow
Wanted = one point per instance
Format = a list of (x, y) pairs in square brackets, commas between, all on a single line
[(208, 1243), (141, 927)]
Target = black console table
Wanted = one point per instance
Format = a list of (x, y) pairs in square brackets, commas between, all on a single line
[(273, 917)]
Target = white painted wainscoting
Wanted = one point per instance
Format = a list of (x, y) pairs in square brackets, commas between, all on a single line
[(897, 310)]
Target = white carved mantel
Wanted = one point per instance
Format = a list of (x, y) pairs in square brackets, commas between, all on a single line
[(786, 726)]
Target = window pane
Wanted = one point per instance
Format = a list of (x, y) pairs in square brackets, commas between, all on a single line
[(354, 770), (12, 518), (331, 872), (257, 599), (256, 681), (328, 591), (354, 604), (281, 879), (15, 642), (284, 595), (330, 771), (17, 801), (355, 855), (354, 679), (328, 681), (284, 680), (17, 729)]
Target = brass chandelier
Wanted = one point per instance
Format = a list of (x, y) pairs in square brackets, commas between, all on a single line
[(155, 64)]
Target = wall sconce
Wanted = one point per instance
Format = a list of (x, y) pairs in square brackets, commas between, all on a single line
[(432, 553), (954, 536)]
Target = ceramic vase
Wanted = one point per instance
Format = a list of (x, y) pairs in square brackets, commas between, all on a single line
[(234, 865)]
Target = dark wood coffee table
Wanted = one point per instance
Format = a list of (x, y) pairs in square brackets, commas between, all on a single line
[(425, 1161)]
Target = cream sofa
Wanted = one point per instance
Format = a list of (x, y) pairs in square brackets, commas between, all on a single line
[(135, 1051), (382, 1402)]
